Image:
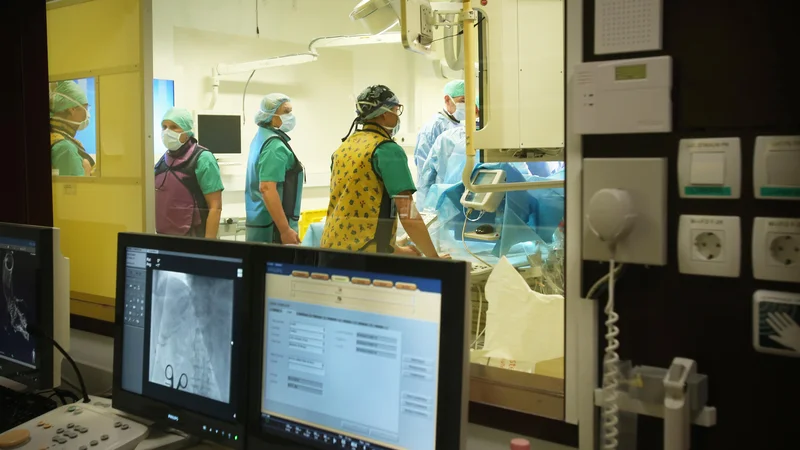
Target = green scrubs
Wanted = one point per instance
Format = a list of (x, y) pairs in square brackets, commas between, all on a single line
[(208, 175), (391, 164), (64, 157)]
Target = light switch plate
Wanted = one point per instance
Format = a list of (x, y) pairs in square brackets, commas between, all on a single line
[(776, 249), (645, 179), (710, 245), (776, 167), (710, 168), (776, 316)]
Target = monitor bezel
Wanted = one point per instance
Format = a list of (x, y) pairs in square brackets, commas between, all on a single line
[(41, 377), (158, 411), (453, 377)]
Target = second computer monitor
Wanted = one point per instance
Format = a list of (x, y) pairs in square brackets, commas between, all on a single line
[(180, 350), (35, 301), (359, 351)]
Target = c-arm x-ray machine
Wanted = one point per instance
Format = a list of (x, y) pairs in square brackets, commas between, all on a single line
[(512, 129)]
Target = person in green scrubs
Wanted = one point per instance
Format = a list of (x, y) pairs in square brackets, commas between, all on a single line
[(275, 175), (188, 181), (69, 113)]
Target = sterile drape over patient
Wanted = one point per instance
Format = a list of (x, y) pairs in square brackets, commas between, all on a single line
[(190, 331)]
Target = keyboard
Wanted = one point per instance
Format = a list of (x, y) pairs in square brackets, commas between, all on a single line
[(19, 408)]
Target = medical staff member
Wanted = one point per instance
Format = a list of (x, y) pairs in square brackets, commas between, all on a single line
[(371, 183), (188, 181), (69, 113), (275, 175), (444, 163), (451, 116)]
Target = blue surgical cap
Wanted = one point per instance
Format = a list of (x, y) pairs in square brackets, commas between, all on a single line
[(182, 117), (454, 89), (269, 106)]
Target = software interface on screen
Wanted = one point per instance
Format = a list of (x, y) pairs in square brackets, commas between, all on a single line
[(351, 356), (19, 265), (178, 336)]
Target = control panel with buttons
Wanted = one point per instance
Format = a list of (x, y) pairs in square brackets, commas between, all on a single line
[(80, 426)]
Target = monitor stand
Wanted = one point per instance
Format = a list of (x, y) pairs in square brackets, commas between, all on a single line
[(61, 306)]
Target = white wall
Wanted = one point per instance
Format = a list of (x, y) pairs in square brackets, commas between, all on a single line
[(192, 36)]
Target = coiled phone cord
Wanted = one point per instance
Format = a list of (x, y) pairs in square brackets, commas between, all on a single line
[(610, 414)]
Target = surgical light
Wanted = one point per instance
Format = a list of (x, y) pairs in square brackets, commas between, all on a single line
[(378, 16)]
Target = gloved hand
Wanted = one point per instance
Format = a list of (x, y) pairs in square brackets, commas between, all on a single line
[(788, 332)]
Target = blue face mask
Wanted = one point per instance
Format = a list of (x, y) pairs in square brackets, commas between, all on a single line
[(287, 122), (461, 112), (394, 130)]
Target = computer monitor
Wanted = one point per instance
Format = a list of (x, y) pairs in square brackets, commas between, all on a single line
[(180, 343), (358, 351), (220, 133), (35, 298)]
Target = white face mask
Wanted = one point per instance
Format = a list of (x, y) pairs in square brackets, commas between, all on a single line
[(171, 139), (82, 125), (461, 112)]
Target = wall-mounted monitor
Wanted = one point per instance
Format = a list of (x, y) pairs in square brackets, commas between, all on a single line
[(220, 133), (163, 100)]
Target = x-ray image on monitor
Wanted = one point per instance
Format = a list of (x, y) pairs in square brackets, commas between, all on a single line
[(18, 310), (191, 332)]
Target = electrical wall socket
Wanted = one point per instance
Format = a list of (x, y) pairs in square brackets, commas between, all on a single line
[(776, 249), (645, 179), (709, 245)]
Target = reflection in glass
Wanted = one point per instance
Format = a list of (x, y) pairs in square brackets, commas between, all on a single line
[(73, 133)]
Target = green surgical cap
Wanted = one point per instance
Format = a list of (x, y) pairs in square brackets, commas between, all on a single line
[(182, 117), (454, 89), (269, 106), (66, 95)]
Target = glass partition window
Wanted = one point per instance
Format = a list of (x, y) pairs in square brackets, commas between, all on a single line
[(272, 98), (233, 128), (98, 140)]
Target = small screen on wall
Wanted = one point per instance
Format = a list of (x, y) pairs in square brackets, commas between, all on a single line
[(220, 133), (630, 72)]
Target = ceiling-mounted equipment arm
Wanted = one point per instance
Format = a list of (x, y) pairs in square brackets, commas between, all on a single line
[(448, 14)]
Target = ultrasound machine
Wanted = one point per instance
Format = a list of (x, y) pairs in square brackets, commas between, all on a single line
[(275, 347), (35, 308)]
